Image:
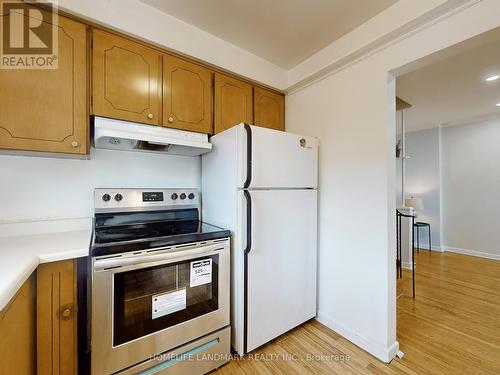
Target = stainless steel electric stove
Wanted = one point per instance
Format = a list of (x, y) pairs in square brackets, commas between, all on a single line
[(160, 284)]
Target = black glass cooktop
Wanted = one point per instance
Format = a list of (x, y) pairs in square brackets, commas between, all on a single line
[(153, 230), (115, 233)]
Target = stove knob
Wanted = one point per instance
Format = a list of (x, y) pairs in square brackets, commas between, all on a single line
[(183, 196), (118, 197), (174, 196), (191, 196), (106, 197)]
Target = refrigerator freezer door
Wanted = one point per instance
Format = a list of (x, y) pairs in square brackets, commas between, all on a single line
[(281, 264), (278, 159)]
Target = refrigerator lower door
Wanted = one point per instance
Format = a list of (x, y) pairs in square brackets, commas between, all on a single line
[(281, 264)]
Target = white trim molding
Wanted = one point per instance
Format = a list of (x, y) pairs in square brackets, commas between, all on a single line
[(425, 247), (312, 70), (385, 354), (407, 265), (474, 253)]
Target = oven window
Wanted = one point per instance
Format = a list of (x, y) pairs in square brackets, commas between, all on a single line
[(151, 299)]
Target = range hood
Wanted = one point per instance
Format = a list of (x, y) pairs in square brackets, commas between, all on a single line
[(128, 136)]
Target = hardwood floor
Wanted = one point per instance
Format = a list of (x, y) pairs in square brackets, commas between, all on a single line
[(452, 327)]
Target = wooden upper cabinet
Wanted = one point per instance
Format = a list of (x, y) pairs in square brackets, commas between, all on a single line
[(126, 79), (47, 109), (187, 95), (269, 109), (233, 102)]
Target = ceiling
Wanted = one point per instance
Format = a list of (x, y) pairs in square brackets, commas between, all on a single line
[(284, 32), (449, 87)]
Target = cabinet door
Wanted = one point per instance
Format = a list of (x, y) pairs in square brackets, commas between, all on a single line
[(269, 109), (187, 95), (46, 109), (56, 318), (126, 79), (18, 332), (233, 102)]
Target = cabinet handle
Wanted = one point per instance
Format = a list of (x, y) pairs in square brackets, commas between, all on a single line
[(150, 116), (67, 312), (75, 144), (170, 119)]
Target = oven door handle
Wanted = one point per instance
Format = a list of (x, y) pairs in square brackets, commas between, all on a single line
[(102, 264)]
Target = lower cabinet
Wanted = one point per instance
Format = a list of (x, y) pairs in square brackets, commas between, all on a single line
[(56, 318), (18, 332)]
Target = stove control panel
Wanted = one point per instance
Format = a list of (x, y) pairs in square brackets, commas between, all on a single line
[(119, 200), (152, 196)]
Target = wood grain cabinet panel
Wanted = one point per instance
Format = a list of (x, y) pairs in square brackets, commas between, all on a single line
[(187, 95), (233, 102), (56, 318), (46, 109), (18, 332), (269, 109), (126, 79)]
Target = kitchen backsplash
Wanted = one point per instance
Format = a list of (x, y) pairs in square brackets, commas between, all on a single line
[(38, 188)]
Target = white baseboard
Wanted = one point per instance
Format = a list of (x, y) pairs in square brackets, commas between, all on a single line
[(374, 348), (472, 253), (407, 265), (425, 247)]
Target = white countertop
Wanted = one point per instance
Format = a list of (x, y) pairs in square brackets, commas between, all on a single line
[(23, 246)]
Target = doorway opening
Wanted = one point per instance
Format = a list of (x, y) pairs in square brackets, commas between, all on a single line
[(447, 152)]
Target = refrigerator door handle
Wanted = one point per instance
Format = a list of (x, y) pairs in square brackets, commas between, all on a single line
[(248, 198), (248, 247), (248, 180)]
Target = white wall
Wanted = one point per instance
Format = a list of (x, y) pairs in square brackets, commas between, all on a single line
[(471, 186), (355, 295), (423, 180), (400, 160), (455, 171), (399, 188), (50, 188), (352, 112)]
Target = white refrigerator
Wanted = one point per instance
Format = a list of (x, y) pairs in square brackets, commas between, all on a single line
[(262, 185)]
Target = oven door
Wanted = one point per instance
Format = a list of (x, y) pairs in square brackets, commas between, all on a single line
[(145, 303)]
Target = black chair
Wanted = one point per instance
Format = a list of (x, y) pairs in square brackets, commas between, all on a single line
[(417, 227)]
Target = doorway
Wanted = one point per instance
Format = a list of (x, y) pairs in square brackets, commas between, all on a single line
[(447, 162)]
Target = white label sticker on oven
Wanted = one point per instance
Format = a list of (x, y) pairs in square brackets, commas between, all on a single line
[(201, 272), (168, 303)]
